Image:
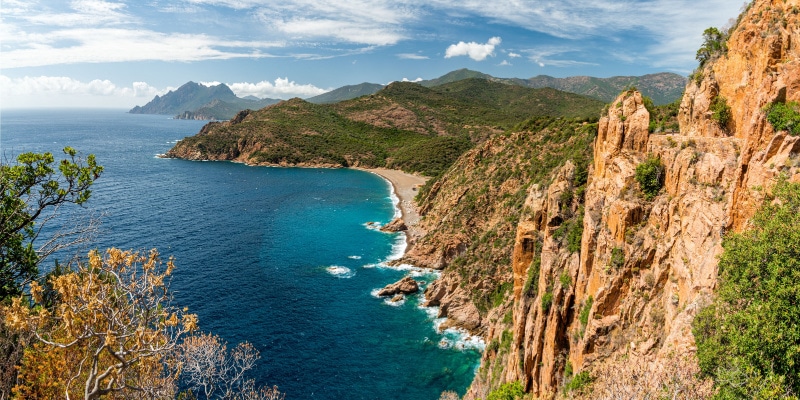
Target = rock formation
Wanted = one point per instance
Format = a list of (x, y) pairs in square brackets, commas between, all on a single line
[(645, 268), (397, 225), (406, 285)]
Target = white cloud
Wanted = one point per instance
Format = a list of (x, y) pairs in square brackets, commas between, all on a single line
[(475, 51), (415, 80), (282, 88), (514, 55), (505, 63), (412, 56), (120, 45), (62, 85), (55, 91)]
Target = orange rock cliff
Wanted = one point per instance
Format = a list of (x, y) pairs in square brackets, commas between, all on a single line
[(645, 267)]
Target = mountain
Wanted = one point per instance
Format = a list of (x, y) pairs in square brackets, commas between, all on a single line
[(456, 76), (662, 88), (405, 126), (196, 101), (346, 93)]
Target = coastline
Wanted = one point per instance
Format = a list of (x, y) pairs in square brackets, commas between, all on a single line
[(405, 187)]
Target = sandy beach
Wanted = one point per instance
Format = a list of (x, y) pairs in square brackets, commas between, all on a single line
[(405, 187)]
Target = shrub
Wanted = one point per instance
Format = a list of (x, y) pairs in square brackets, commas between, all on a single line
[(720, 111), (578, 381), (565, 279), (507, 391), (575, 232), (547, 300), (747, 339), (585, 310), (785, 117), (617, 257), (650, 175)]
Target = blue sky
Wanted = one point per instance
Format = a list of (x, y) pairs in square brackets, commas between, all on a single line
[(121, 53)]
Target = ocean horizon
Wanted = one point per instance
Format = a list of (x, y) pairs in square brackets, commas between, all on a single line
[(288, 259)]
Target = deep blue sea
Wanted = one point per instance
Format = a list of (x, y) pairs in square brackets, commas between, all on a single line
[(280, 257)]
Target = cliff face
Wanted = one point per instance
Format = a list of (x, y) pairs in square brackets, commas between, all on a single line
[(645, 267)]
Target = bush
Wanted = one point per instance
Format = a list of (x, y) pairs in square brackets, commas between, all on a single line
[(507, 391), (547, 300), (720, 111), (617, 257), (585, 310), (785, 117), (578, 382), (748, 338), (650, 175)]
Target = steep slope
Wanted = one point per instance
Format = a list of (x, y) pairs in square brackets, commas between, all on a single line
[(603, 279)]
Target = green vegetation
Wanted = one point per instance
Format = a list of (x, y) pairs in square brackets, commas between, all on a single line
[(547, 300), (31, 187), (714, 45), (425, 132), (720, 111), (785, 117), (585, 310), (507, 391), (531, 282), (528, 156), (650, 175), (578, 382), (748, 338), (617, 257), (664, 118)]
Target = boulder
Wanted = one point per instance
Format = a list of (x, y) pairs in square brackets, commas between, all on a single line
[(406, 285), (396, 225)]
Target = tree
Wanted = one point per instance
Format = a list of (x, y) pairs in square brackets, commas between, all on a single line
[(748, 339), (29, 188), (713, 45), (215, 372), (113, 333)]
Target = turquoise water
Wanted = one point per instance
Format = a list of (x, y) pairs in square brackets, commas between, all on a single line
[(280, 257)]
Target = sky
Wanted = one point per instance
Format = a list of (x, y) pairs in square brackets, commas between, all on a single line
[(122, 53)]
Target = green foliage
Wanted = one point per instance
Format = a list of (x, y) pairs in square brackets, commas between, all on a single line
[(785, 117), (585, 310), (575, 232), (505, 340), (507, 391), (720, 111), (531, 282), (578, 382), (565, 279), (617, 257), (748, 338), (36, 183), (650, 175), (547, 300), (664, 118), (714, 45)]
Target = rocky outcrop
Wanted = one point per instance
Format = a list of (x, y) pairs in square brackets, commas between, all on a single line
[(645, 267), (397, 225), (406, 285)]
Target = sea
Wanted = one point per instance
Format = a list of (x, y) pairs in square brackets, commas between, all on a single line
[(288, 259)]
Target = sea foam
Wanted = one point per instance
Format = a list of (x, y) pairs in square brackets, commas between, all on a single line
[(340, 272)]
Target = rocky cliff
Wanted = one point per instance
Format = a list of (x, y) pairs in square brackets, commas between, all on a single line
[(627, 290)]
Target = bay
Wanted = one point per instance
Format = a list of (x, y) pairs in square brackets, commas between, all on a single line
[(280, 257)]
